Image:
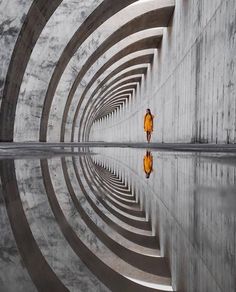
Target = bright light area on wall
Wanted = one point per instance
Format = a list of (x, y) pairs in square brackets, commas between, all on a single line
[(141, 1), (151, 285)]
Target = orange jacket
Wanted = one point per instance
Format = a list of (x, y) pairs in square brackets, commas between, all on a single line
[(148, 164), (148, 123)]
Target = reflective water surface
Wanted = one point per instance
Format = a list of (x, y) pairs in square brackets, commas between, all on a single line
[(118, 219)]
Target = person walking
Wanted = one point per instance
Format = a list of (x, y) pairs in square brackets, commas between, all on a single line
[(148, 124)]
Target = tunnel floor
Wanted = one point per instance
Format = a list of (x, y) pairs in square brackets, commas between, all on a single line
[(117, 217)]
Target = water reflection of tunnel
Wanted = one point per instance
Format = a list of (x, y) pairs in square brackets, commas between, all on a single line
[(109, 231), (93, 222), (120, 220)]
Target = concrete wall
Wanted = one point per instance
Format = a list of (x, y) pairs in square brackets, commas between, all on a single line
[(11, 21), (50, 54), (190, 200), (191, 86), (52, 50)]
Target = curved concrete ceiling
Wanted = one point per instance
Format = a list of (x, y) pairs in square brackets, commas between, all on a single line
[(151, 42), (114, 85), (139, 60), (141, 71), (57, 83)]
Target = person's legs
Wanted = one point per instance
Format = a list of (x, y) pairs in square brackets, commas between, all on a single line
[(149, 135)]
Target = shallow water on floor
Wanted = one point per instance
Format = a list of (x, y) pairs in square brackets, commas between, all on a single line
[(118, 219)]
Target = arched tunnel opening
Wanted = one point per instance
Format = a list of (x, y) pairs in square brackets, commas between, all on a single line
[(117, 145)]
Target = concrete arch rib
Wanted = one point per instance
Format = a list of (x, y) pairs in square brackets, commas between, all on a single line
[(106, 97), (123, 97), (157, 18), (44, 277), (94, 263), (105, 100), (146, 43), (133, 80), (40, 12), (38, 16), (89, 108), (144, 59), (129, 86), (127, 76), (140, 59), (35, 21), (103, 12), (92, 117), (128, 89), (79, 95), (110, 108), (107, 105)]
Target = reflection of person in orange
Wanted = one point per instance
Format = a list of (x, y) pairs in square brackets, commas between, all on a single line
[(148, 164), (148, 124)]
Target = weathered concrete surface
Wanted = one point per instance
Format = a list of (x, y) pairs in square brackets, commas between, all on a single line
[(10, 26), (76, 216), (99, 210), (191, 194), (67, 207), (191, 87), (61, 46), (48, 78)]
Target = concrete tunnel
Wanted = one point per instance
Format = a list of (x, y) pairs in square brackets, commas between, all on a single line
[(76, 79)]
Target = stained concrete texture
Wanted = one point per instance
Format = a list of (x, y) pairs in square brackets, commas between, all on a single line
[(190, 86), (52, 51), (116, 219), (114, 213), (87, 70)]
